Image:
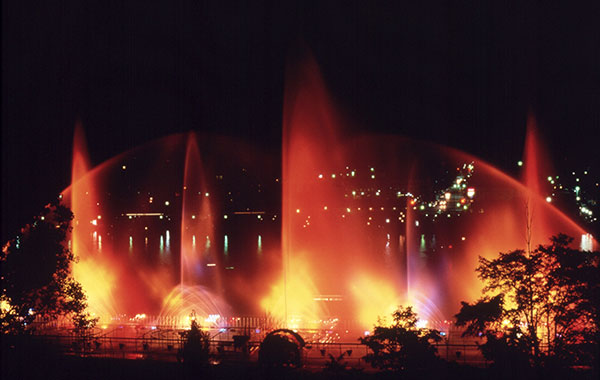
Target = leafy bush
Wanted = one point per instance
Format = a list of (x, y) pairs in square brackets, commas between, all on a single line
[(402, 346)]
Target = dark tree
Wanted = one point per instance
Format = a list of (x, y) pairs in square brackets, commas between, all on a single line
[(402, 346), (281, 348), (196, 347), (540, 308), (36, 274)]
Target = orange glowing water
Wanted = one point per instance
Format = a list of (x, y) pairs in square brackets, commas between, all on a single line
[(197, 249), (91, 270), (338, 234), (344, 254)]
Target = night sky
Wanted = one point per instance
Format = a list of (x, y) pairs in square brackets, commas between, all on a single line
[(463, 74)]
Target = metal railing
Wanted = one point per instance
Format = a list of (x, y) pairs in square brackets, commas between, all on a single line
[(167, 345)]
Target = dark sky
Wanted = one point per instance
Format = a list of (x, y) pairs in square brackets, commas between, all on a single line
[(464, 74)]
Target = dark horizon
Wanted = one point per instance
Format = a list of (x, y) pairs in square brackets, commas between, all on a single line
[(464, 75)]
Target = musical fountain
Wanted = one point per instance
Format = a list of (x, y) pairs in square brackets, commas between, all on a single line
[(365, 223)]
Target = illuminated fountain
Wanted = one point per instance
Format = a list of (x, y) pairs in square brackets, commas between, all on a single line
[(145, 231), (199, 290), (97, 279), (366, 223), (363, 249)]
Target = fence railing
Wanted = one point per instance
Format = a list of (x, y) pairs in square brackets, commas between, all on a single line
[(166, 345)]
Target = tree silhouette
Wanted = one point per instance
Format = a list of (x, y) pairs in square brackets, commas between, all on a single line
[(540, 308), (281, 348), (196, 347), (402, 346), (36, 274)]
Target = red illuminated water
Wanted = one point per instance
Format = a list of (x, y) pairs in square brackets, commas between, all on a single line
[(197, 251), (339, 235), (93, 270), (161, 230)]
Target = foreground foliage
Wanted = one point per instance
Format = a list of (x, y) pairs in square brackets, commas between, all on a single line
[(402, 346), (281, 348), (36, 275), (539, 308), (196, 346)]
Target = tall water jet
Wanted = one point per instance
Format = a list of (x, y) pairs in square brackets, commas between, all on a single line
[(199, 289), (411, 250), (199, 261), (319, 233), (537, 166), (307, 118), (91, 270)]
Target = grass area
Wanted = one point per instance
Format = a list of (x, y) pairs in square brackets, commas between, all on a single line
[(72, 367), (41, 361)]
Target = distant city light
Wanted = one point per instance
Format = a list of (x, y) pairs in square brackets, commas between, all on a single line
[(124, 167), (587, 242), (548, 199), (259, 244), (520, 163), (167, 203)]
